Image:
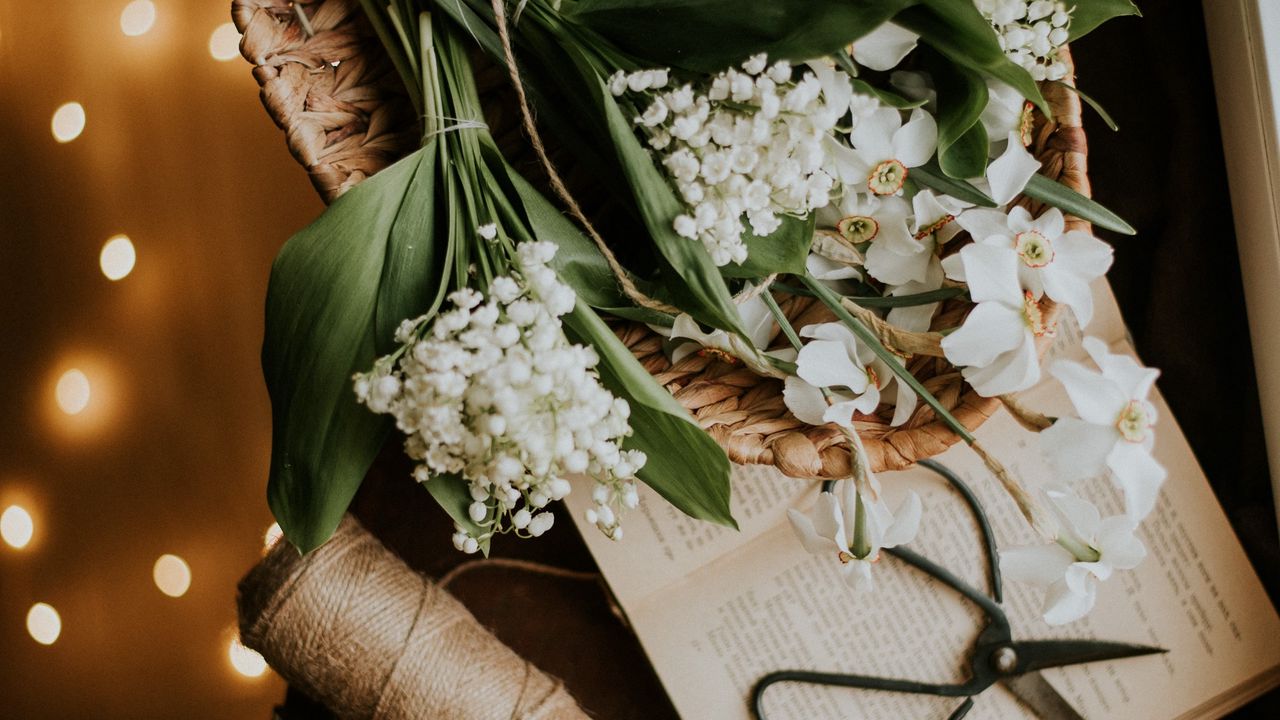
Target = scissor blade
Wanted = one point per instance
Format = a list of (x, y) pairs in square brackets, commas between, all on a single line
[(1041, 654), (1037, 693)]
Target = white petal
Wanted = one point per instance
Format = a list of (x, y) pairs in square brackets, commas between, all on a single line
[(1078, 516), (990, 330), (906, 522), (898, 265), (1077, 450), (834, 331), (837, 92), (992, 273), (916, 318), (1019, 219), (905, 402), (808, 536), (982, 223), (873, 136), (914, 143), (1071, 290), (1036, 564), (1084, 254), (857, 575), (848, 165), (1008, 174), (884, 47), (953, 266), (840, 412), (757, 320), (1013, 371), (1097, 399), (821, 268), (1139, 477), (1119, 547), (1063, 604), (1050, 223), (804, 401), (823, 363), (1132, 380)]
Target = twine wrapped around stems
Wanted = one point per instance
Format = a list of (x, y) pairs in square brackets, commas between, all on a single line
[(355, 628)]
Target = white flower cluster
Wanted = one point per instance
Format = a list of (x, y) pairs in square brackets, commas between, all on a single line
[(748, 143), (1031, 33), (494, 392)]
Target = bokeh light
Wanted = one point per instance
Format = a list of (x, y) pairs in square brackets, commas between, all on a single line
[(172, 575), (118, 257), (137, 17), (44, 624), (245, 661), (68, 122), (72, 392), (224, 43), (16, 526), (272, 536)]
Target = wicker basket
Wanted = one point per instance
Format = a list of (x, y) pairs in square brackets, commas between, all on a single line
[(332, 89)]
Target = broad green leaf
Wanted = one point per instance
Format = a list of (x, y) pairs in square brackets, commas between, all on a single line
[(782, 251), (1089, 14), (453, 495), (685, 465), (1070, 201), (320, 329), (711, 35), (956, 29), (932, 177), (411, 270), (962, 96)]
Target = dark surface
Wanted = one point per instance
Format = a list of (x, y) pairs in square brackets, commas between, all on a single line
[(1178, 283)]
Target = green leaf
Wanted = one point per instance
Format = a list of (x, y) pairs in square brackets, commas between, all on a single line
[(892, 99), (1089, 14), (452, 494), (411, 283), (1097, 106), (956, 29), (932, 177), (1068, 200), (685, 465), (711, 35), (962, 96), (320, 329), (782, 251)]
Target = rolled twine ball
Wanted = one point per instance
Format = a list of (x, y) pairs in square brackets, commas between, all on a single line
[(355, 628)]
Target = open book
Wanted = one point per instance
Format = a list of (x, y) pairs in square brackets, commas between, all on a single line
[(717, 609)]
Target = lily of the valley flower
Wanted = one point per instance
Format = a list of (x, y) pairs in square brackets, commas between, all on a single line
[(884, 150), (1114, 430), (884, 47), (1088, 550), (757, 321), (1050, 260), (996, 345), (854, 377), (854, 526)]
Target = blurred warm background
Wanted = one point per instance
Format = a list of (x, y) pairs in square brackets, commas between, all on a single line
[(136, 425)]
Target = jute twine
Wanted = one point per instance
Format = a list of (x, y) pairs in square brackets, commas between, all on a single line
[(354, 628), (334, 92)]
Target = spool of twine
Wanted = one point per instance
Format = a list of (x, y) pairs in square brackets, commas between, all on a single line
[(355, 628)]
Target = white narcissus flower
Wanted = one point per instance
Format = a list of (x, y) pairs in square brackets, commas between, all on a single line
[(831, 530), (1088, 550), (1009, 173), (884, 47), (1050, 260), (757, 321), (884, 150), (896, 257), (996, 345), (1114, 430), (852, 373)]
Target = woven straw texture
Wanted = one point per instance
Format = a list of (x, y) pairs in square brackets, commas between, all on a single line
[(333, 91)]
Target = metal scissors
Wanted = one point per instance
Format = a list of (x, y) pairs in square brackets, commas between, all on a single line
[(995, 657)]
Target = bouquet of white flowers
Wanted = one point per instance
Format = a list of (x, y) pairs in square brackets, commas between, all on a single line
[(837, 195)]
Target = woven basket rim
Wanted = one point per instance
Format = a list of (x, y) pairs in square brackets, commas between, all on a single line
[(338, 99)]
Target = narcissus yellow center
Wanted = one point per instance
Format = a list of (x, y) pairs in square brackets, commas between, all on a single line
[(1033, 314), (887, 178), (858, 228), (1133, 421), (1033, 248)]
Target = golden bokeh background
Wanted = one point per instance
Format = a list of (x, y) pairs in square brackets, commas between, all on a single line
[(166, 453)]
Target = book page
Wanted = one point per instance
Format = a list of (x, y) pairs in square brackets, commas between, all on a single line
[(716, 610)]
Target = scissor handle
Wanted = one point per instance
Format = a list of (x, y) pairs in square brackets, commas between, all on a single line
[(980, 515)]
